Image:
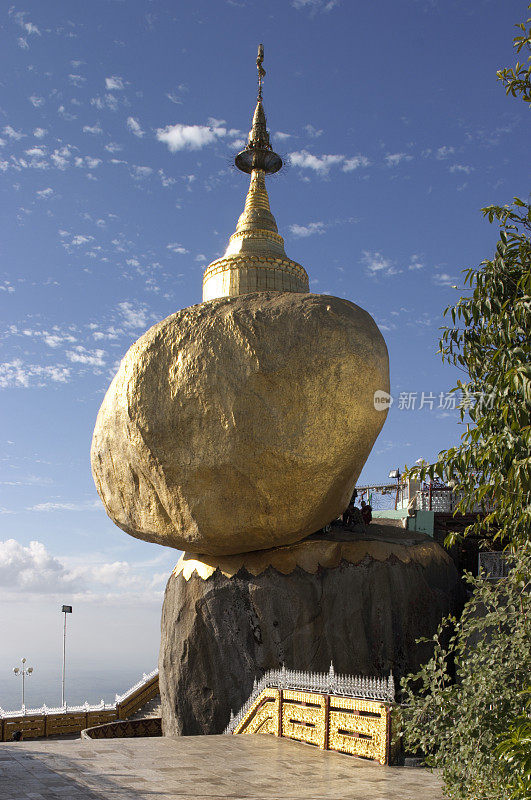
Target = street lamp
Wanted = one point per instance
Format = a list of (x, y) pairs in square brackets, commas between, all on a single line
[(65, 610), (25, 672), (395, 473)]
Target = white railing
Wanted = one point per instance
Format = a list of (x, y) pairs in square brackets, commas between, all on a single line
[(66, 709), (119, 698), (382, 689), (445, 501), (494, 565)]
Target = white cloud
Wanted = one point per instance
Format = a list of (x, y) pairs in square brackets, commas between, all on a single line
[(134, 314), (36, 152), (319, 164), (44, 194), (444, 152), (23, 43), (135, 127), (87, 161), (17, 374), (114, 83), (39, 133), (6, 286), (313, 132), (110, 333), (33, 569), (85, 505), (93, 129), (282, 136), (65, 114), (92, 358), (313, 6), (461, 168), (415, 262), (443, 279), (377, 265), (175, 247), (77, 80), (141, 172), (166, 180), (61, 157), (28, 480), (355, 163), (54, 339), (80, 239), (301, 231), (36, 101), (394, 159), (109, 101), (113, 147), (189, 137), (174, 98), (12, 133), (19, 17), (116, 574)]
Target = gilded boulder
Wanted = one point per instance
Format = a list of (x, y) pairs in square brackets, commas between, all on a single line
[(242, 423)]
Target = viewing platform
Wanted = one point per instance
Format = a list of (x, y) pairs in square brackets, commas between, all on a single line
[(193, 767)]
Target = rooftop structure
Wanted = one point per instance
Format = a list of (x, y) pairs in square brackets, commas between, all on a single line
[(255, 259)]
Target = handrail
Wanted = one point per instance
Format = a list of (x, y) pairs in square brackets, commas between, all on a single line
[(85, 707), (382, 689)]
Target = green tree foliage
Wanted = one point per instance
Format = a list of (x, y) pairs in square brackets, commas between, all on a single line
[(515, 749), (468, 708), (458, 720), (517, 80)]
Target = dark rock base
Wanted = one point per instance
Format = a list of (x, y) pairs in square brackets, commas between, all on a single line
[(220, 633)]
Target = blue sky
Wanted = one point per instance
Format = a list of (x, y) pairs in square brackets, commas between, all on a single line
[(118, 124)]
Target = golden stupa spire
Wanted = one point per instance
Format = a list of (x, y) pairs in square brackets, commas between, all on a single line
[(255, 259)]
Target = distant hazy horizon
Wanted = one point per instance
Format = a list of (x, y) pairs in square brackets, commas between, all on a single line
[(109, 646), (83, 685)]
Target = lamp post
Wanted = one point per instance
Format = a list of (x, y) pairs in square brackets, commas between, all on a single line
[(25, 672), (395, 473), (65, 610)]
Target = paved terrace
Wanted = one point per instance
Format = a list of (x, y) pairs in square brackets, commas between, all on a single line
[(200, 767)]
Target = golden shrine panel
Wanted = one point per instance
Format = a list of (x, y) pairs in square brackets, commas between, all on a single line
[(345, 724), (303, 717), (263, 716)]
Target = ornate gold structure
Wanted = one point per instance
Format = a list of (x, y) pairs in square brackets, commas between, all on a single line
[(345, 724), (312, 554), (255, 259)]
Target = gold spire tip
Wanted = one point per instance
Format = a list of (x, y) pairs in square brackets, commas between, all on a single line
[(258, 154)]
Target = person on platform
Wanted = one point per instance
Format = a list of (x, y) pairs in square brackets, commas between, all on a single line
[(349, 514), (366, 512)]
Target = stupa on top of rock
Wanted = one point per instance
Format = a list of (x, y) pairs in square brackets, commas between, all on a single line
[(243, 423), (255, 259)]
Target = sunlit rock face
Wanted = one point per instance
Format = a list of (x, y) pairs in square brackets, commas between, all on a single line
[(242, 423)]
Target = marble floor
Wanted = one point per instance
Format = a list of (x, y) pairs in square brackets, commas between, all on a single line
[(200, 767)]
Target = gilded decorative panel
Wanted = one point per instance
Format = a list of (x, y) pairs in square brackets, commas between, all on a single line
[(345, 724), (262, 716)]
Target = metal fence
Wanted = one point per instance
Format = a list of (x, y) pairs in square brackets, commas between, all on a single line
[(85, 707), (494, 565), (382, 689)]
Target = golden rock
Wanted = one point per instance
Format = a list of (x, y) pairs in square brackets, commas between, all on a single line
[(242, 423)]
